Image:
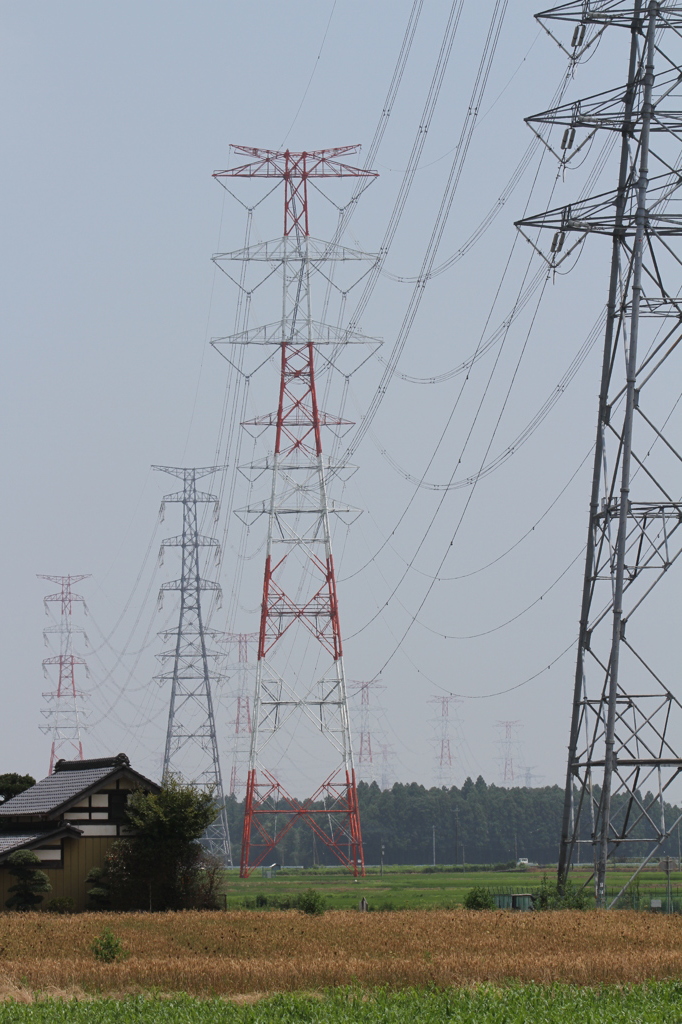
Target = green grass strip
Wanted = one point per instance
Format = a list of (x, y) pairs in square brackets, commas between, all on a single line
[(654, 1003)]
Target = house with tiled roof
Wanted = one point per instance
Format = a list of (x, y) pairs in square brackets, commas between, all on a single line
[(69, 819)]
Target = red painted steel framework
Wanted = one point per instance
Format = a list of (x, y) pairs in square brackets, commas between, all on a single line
[(271, 811)]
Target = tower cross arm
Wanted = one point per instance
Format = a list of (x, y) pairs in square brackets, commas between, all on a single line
[(182, 472), (198, 496), (63, 659), (202, 584), (61, 597), (316, 163), (200, 541), (63, 579)]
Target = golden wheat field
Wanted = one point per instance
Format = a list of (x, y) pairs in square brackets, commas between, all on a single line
[(246, 952)]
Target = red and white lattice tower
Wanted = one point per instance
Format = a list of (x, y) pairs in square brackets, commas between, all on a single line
[(300, 706), (445, 758), (240, 673), (366, 746), (63, 710)]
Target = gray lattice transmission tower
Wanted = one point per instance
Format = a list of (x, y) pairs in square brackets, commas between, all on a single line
[(444, 720), (387, 759), (509, 747), (63, 704), (191, 748), (368, 739), (625, 747), (241, 648)]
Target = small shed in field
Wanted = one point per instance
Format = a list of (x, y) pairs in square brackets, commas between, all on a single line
[(69, 819), (513, 900)]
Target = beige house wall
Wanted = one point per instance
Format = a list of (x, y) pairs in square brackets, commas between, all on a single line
[(79, 856), (98, 818)]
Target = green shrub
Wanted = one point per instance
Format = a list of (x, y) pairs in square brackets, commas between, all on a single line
[(161, 864), (550, 897), (31, 882), (99, 895), (60, 905), (108, 948), (479, 898), (11, 784), (312, 902)]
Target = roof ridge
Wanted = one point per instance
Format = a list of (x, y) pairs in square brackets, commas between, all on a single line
[(119, 761)]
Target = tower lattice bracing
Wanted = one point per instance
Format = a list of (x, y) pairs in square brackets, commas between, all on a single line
[(445, 758), (387, 762), (63, 711), (509, 752), (300, 706), (191, 749), (625, 745), (241, 689), (367, 741)]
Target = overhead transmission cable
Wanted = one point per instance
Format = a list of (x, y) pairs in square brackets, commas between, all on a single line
[(465, 444), (487, 565), (521, 296), (447, 200), (472, 490), (420, 283), (557, 392), (242, 314)]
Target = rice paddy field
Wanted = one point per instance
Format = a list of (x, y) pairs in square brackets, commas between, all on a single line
[(416, 888)]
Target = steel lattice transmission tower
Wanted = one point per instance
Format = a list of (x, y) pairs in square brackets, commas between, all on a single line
[(299, 598), (445, 758), (241, 675), (63, 710), (625, 747), (527, 772), (365, 749), (387, 766), (509, 748), (191, 748)]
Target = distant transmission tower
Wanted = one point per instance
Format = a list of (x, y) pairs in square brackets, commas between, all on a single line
[(387, 763), (527, 773), (191, 748), (298, 703), (625, 746), (241, 680), (509, 746), (366, 746), (63, 711), (445, 756)]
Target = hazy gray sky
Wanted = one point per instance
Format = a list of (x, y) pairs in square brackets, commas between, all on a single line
[(115, 116)]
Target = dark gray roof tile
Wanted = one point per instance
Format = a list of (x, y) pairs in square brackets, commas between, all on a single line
[(11, 842), (52, 792)]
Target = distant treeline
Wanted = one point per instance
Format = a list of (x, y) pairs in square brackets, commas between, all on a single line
[(477, 824)]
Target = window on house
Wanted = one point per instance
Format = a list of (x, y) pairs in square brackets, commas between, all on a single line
[(117, 805)]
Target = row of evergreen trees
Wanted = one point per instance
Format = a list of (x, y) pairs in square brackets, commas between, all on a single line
[(477, 824)]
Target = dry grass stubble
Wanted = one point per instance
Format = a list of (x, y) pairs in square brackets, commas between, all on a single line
[(247, 952)]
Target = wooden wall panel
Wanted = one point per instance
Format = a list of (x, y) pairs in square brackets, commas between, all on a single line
[(79, 856)]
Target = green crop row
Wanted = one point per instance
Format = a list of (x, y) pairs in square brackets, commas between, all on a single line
[(654, 1003)]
